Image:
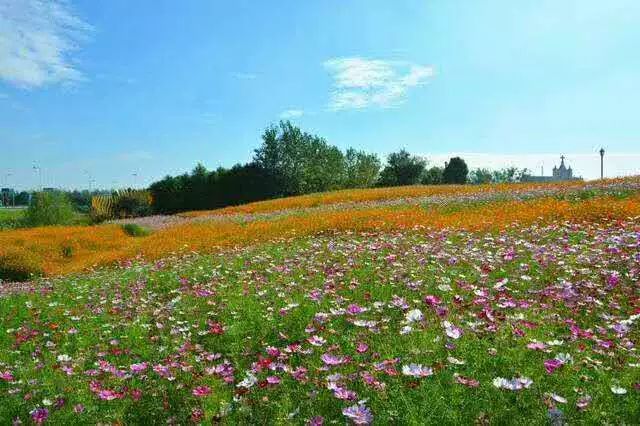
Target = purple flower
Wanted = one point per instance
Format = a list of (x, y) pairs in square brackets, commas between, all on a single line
[(552, 365), (39, 415), (331, 359), (358, 414)]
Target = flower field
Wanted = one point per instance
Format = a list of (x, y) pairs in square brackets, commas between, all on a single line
[(476, 310)]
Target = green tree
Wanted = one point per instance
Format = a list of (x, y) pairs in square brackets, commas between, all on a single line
[(480, 176), (402, 169), (455, 171), (361, 169), (49, 208), (299, 162), (432, 176), (508, 175)]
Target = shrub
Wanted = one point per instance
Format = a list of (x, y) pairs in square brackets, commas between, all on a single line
[(67, 251), (49, 208), (121, 204), (19, 265), (135, 230), (133, 204)]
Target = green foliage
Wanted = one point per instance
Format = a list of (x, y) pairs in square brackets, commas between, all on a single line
[(19, 265), (132, 204), (402, 169), (67, 251), (49, 208), (480, 176), (508, 175), (11, 218), (289, 162), (432, 176), (135, 230), (455, 171), (302, 163), (361, 169)]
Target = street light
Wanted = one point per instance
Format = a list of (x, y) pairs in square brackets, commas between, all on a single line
[(601, 163), (39, 171)]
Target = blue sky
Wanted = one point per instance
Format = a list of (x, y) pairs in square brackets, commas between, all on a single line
[(102, 90)]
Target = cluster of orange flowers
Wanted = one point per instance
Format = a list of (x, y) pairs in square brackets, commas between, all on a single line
[(391, 193), (102, 245)]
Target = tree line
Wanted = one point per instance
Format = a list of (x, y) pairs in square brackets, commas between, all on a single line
[(293, 162)]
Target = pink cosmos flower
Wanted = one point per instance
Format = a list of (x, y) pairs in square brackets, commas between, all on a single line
[(432, 300), (536, 346), (362, 347), (108, 395), (138, 368), (552, 365), (466, 381), (197, 415), (354, 309), (273, 380), (39, 415), (316, 421), (331, 359), (201, 391), (358, 414), (6, 375), (344, 394), (583, 402), (316, 340)]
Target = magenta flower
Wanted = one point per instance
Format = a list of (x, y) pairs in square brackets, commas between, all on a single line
[(552, 365), (201, 391), (354, 309), (138, 368), (316, 421), (6, 375), (273, 380), (362, 347), (39, 415), (108, 395), (358, 414), (432, 300)]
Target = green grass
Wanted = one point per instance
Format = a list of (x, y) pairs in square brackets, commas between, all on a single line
[(10, 218)]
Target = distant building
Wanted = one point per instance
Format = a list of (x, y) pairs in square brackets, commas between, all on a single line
[(559, 174)]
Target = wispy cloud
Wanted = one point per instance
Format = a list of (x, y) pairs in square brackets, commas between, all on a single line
[(37, 39), (291, 113), (360, 83), (245, 76)]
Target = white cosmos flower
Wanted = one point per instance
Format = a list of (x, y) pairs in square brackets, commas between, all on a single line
[(618, 390), (414, 315)]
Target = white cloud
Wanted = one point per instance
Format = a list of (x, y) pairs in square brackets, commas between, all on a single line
[(586, 165), (291, 113), (360, 83), (37, 38)]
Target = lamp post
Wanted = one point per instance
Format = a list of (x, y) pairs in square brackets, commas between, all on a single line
[(601, 163)]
